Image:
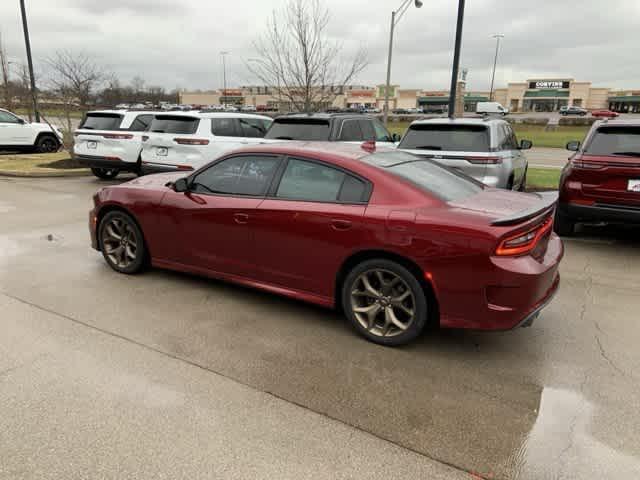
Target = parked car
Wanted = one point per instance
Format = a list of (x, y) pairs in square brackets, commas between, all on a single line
[(110, 141), (400, 111), (330, 127), (485, 149), (573, 111), (372, 110), (18, 134), (601, 181), (387, 237), (186, 141), (491, 107), (248, 108), (604, 114)]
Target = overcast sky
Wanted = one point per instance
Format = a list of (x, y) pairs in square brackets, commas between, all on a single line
[(176, 43)]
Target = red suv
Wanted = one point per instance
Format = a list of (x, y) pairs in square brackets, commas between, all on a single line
[(601, 181)]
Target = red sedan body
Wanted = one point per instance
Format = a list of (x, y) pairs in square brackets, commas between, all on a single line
[(604, 114), (490, 259)]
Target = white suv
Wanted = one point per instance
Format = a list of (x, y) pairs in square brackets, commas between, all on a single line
[(110, 141), (18, 134), (189, 140)]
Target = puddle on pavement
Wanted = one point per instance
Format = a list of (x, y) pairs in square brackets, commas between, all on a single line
[(560, 444)]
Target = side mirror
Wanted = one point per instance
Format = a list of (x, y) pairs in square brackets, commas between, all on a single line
[(21, 121), (395, 137), (573, 146), (181, 185), (525, 144)]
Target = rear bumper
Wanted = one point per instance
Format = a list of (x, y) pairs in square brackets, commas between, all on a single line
[(95, 161), (150, 167), (600, 213)]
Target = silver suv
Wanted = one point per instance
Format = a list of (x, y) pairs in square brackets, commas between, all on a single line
[(485, 149)]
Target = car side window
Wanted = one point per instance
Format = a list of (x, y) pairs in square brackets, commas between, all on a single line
[(501, 137), (315, 182), (253, 127), (245, 175), (350, 131), (224, 127), (382, 134), (368, 132), (141, 123), (512, 141), (6, 117)]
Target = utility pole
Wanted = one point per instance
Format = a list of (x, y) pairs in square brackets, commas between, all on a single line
[(224, 77), (27, 43), (456, 61), (497, 36), (4, 66)]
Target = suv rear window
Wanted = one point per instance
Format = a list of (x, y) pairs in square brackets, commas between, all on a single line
[(615, 141), (429, 176), (174, 124), (297, 129), (452, 138), (101, 121)]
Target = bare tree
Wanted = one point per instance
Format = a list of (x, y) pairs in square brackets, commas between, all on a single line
[(74, 77), (299, 61), (4, 66)]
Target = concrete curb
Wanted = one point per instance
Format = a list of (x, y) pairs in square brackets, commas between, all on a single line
[(62, 173)]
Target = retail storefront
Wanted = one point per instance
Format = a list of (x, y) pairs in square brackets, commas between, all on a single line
[(625, 103)]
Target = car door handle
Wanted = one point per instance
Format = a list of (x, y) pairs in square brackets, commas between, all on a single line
[(338, 224), (241, 218)]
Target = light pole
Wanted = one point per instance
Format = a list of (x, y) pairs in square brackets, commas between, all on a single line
[(27, 43), (396, 15), (224, 77), (497, 36), (456, 61)]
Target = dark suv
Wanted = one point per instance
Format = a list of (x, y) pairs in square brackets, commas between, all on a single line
[(330, 127), (601, 182)]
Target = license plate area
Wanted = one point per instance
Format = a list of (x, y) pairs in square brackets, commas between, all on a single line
[(633, 185), (162, 151)]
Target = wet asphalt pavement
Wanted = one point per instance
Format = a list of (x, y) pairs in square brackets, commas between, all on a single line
[(165, 375)]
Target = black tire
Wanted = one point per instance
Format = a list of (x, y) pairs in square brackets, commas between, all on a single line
[(417, 302), (47, 144), (105, 173), (509, 183), (563, 225), (134, 260), (523, 184)]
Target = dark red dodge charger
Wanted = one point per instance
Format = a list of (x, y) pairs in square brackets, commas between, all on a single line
[(394, 240)]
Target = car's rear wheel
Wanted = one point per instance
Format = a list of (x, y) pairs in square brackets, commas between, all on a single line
[(384, 302), (105, 173), (563, 225), (47, 144), (122, 243)]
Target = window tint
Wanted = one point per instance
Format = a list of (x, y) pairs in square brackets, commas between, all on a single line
[(246, 175), (6, 117), (615, 141), (253, 127), (174, 124), (350, 131), (311, 181), (141, 123), (453, 138), (224, 127), (101, 121), (296, 129), (427, 175), (368, 132), (353, 190), (382, 134)]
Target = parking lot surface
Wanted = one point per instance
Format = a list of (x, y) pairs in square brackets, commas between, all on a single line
[(165, 375)]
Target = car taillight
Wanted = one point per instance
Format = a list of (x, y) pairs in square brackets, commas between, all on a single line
[(484, 160), (523, 242), (191, 141), (579, 163), (118, 136)]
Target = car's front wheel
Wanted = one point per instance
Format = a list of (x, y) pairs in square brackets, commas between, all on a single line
[(122, 243), (105, 173), (47, 144), (384, 302)]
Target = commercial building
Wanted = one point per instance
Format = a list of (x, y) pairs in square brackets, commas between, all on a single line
[(532, 95)]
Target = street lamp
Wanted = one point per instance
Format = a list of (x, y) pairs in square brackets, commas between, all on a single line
[(456, 61), (27, 43), (395, 18), (497, 36), (224, 77)]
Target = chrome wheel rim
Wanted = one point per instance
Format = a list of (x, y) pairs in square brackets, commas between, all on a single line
[(383, 303), (119, 242)]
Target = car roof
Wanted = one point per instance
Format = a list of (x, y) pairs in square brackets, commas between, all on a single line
[(458, 121), (347, 151), (230, 115), (618, 122), (323, 115), (122, 111)]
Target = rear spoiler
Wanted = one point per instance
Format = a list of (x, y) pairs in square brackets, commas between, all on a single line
[(547, 201)]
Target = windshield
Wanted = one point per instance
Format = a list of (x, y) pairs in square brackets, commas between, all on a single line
[(101, 121), (615, 141), (428, 175), (452, 138), (174, 124), (295, 129)]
